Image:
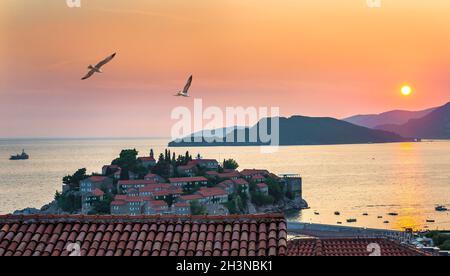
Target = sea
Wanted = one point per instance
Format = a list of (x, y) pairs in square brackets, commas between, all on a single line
[(410, 179)]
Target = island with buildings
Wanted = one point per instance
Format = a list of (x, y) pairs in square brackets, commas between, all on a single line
[(178, 185)]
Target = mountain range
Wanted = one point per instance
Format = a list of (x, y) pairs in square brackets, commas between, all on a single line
[(300, 130), (392, 126), (434, 125), (395, 117)]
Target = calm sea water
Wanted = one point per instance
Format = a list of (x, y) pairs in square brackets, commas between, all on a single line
[(407, 178)]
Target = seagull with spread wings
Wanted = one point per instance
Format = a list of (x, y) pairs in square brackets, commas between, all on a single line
[(97, 68), (185, 92)]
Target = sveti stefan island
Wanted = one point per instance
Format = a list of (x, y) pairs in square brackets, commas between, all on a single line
[(226, 128), (178, 185)]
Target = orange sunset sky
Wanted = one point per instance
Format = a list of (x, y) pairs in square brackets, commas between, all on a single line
[(310, 57)]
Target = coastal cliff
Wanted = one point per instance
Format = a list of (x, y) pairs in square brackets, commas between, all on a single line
[(295, 130)]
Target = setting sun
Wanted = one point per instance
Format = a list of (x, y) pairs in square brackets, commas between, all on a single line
[(406, 90)]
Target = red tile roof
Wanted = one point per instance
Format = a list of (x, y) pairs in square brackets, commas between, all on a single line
[(163, 193), (181, 204), (125, 198), (136, 182), (191, 197), (178, 191), (199, 161), (229, 174), (154, 187), (97, 192), (207, 192), (250, 172), (50, 235), (348, 247), (157, 203), (187, 179), (137, 199), (274, 176), (120, 197), (226, 183), (261, 185), (240, 181), (258, 177), (97, 178)]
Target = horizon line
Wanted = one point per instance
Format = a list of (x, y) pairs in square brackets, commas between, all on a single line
[(82, 138)]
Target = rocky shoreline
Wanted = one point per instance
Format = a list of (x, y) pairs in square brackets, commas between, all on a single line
[(48, 209), (285, 206)]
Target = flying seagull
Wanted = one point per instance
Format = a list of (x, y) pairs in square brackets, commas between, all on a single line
[(97, 68), (185, 91)]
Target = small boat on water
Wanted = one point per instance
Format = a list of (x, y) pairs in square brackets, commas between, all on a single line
[(441, 208), (352, 220), (22, 156), (337, 213), (393, 214)]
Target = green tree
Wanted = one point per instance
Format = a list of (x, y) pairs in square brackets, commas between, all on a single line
[(445, 245), (163, 166), (241, 203), (275, 189), (259, 199), (187, 157), (197, 208), (124, 174), (141, 171), (68, 201), (242, 192), (231, 206), (170, 199), (127, 159), (174, 160), (441, 240), (252, 185), (74, 180), (230, 164), (102, 207), (183, 159)]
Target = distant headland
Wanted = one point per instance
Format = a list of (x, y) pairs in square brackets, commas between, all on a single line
[(296, 130)]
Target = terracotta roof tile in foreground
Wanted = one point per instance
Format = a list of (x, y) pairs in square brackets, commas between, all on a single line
[(50, 235), (349, 247)]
